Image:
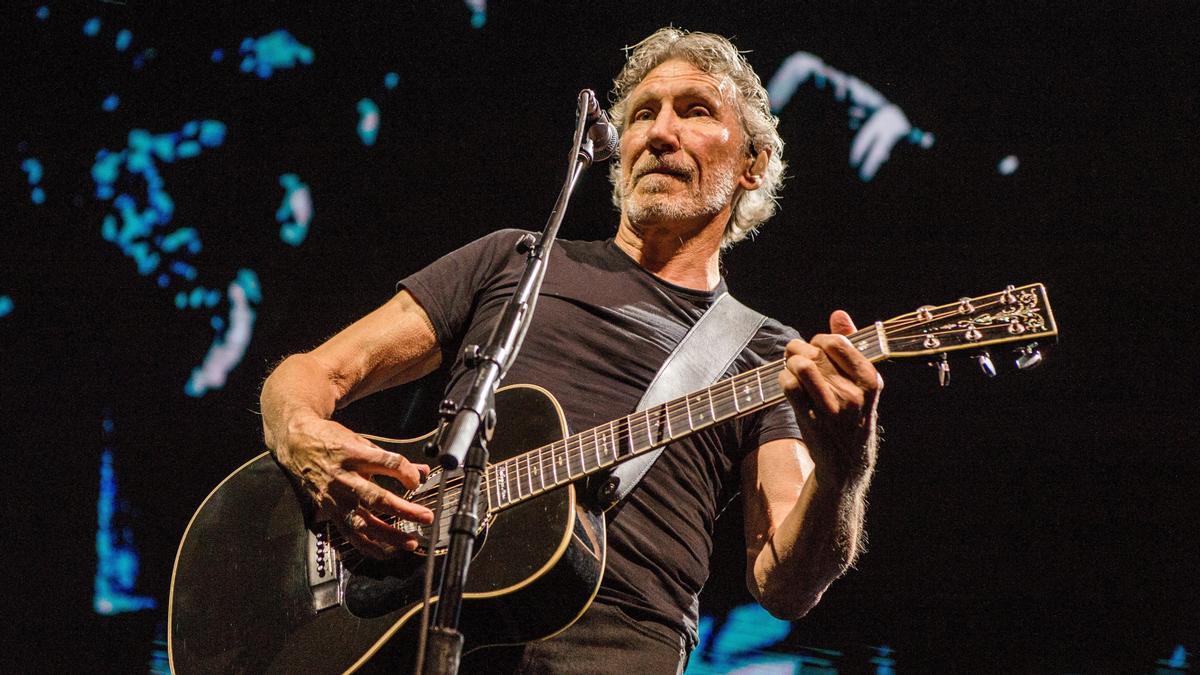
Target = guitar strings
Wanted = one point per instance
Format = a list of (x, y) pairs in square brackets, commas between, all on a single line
[(675, 412), (603, 438)]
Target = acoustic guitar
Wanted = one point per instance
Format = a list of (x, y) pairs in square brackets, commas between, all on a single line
[(264, 583)]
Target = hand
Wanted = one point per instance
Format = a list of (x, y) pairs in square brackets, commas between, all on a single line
[(334, 465), (834, 390)]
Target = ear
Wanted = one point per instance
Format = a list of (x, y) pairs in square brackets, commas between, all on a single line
[(756, 170)]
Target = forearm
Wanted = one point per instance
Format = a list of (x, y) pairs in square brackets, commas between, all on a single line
[(299, 388), (816, 542), (390, 346)]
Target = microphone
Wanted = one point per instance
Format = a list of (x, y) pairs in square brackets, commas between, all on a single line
[(601, 131)]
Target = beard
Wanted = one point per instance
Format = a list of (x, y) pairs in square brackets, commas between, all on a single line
[(658, 204)]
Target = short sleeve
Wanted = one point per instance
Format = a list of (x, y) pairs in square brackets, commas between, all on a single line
[(447, 289)]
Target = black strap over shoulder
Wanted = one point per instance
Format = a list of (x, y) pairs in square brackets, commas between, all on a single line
[(700, 358)]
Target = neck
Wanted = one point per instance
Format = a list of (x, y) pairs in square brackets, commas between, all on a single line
[(679, 253)]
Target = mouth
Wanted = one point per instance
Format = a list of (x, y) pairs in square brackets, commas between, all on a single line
[(680, 174)]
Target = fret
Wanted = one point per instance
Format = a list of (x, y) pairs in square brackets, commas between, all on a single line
[(614, 440), (561, 459), (553, 464), (698, 420), (493, 489), (606, 439), (721, 405), (580, 455), (601, 447), (758, 376), (536, 459), (571, 456), (712, 413), (596, 446), (687, 406), (733, 397), (526, 471), (667, 420), (649, 438), (502, 484), (518, 471)]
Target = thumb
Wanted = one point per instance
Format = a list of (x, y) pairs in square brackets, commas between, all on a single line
[(841, 323)]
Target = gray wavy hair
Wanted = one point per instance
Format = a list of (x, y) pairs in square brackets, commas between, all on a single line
[(716, 56)]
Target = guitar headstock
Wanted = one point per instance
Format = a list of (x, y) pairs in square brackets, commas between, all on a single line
[(1015, 315)]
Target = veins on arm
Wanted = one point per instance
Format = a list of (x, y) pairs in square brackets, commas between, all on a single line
[(800, 535)]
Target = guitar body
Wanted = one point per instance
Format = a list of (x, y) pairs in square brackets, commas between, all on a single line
[(257, 588), (247, 596)]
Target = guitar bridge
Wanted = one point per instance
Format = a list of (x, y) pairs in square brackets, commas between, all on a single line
[(324, 568)]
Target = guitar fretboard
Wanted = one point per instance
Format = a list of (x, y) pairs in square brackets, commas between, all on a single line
[(529, 474)]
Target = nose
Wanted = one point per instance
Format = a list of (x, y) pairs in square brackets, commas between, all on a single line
[(663, 135)]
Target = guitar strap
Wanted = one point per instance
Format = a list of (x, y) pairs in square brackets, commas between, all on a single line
[(700, 358)]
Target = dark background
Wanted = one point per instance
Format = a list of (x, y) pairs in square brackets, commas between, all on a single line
[(1041, 521)]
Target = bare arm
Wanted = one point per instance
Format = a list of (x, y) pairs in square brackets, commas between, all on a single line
[(804, 503), (391, 345)]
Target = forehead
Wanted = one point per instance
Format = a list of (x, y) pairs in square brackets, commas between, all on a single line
[(677, 77)]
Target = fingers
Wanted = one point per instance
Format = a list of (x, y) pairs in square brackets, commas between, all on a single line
[(810, 379), (849, 362), (841, 323), (373, 536), (349, 488), (830, 373), (365, 523), (373, 460)]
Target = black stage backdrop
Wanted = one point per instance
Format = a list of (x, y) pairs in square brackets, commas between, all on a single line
[(1039, 521)]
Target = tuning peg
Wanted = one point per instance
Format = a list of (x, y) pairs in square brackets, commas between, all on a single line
[(1029, 356), (985, 364), (943, 370)]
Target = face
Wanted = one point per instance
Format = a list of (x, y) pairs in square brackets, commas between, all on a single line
[(683, 151)]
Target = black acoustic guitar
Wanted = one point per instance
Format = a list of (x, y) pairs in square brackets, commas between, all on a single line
[(263, 583)]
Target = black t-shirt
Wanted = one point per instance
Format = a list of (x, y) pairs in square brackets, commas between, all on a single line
[(602, 328)]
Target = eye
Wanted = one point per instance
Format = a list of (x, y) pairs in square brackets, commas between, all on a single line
[(698, 111), (642, 115)]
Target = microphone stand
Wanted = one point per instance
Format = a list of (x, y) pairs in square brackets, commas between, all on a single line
[(463, 437)]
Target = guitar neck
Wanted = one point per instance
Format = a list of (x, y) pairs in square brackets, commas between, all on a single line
[(589, 452)]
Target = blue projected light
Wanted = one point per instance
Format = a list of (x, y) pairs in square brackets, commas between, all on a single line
[(296, 212), (277, 50), (228, 349), (883, 661), (42, 13), (748, 629), (124, 37), (110, 103), (33, 171), (6, 305), (116, 559), (880, 123), (218, 55), (391, 80), (1177, 663), (478, 12), (138, 230), (91, 27), (368, 121), (1008, 166)]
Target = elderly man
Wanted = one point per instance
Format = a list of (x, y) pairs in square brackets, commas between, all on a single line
[(699, 168)]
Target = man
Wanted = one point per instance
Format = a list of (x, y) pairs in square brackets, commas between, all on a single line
[(699, 166)]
